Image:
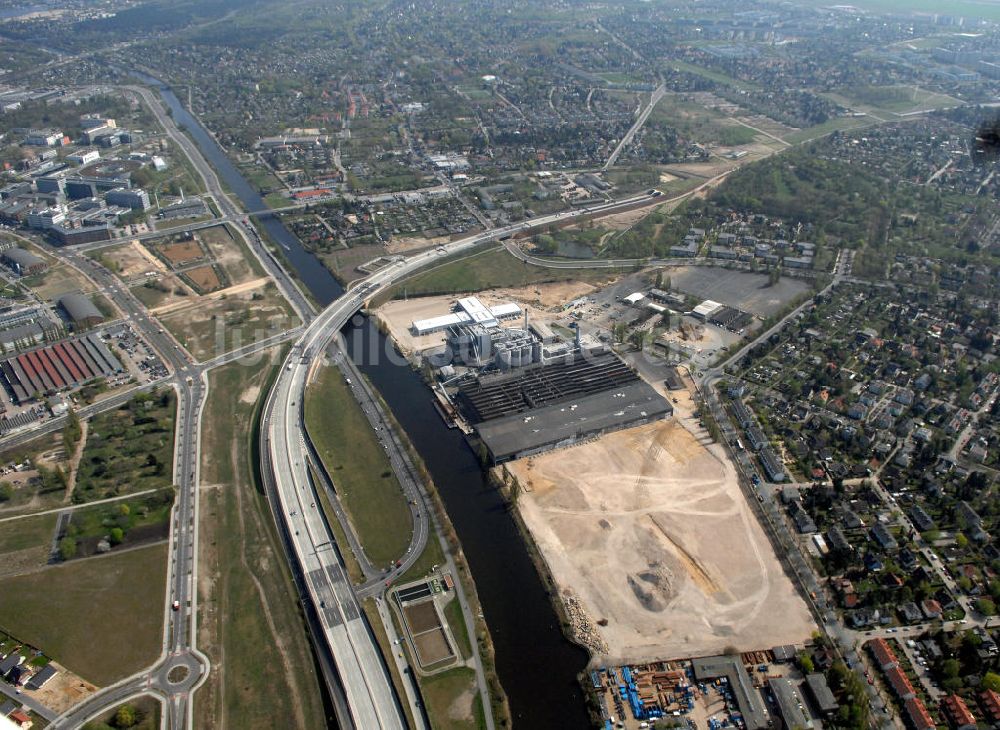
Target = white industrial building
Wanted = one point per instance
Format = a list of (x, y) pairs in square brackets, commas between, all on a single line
[(706, 309), (84, 157), (469, 311)]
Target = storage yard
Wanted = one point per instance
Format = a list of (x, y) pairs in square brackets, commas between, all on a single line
[(648, 531), (738, 289), (749, 691)]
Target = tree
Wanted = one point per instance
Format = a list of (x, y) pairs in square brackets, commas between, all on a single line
[(806, 663), (962, 541), (950, 668), (67, 548), (986, 606), (953, 684), (72, 431), (6, 491), (126, 717), (992, 681), (515, 491), (116, 534)]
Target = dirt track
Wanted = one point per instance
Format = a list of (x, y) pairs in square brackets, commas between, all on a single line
[(648, 528)]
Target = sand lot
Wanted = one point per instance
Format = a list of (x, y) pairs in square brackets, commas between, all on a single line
[(62, 691), (648, 529), (230, 254), (205, 278), (131, 260), (228, 319), (182, 252)]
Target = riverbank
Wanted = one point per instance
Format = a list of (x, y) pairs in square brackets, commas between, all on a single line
[(484, 640)]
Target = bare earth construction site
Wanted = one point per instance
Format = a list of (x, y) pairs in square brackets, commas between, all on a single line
[(652, 546), (647, 528)]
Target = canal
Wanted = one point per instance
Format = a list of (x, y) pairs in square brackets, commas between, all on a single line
[(537, 666)]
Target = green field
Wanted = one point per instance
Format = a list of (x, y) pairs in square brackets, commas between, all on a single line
[(213, 325), (700, 124), (126, 514), (261, 178), (26, 533), (447, 694), (616, 77), (101, 618), (151, 293), (835, 124), (431, 556), (712, 75), (453, 612), (248, 609), (891, 100), (493, 268), (351, 563), (359, 468), (129, 449), (277, 200)]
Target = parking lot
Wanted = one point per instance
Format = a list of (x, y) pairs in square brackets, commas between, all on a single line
[(739, 289)]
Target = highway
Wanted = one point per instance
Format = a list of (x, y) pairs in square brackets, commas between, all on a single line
[(365, 680)]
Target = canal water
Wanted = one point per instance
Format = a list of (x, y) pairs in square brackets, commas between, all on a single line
[(311, 272), (537, 666)]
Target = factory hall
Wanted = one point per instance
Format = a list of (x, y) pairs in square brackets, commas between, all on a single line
[(522, 389)]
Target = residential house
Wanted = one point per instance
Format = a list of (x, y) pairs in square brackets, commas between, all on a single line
[(957, 713), (43, 675), (931, 609), (989, 702), (20, 719), (921, 519), (880, 533), (910, 613), (919, 717), (884, 656), (971, 522), (837, 541), (15, 659), (900, 683)]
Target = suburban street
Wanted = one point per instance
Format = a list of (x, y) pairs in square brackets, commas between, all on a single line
[(181, 667)]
